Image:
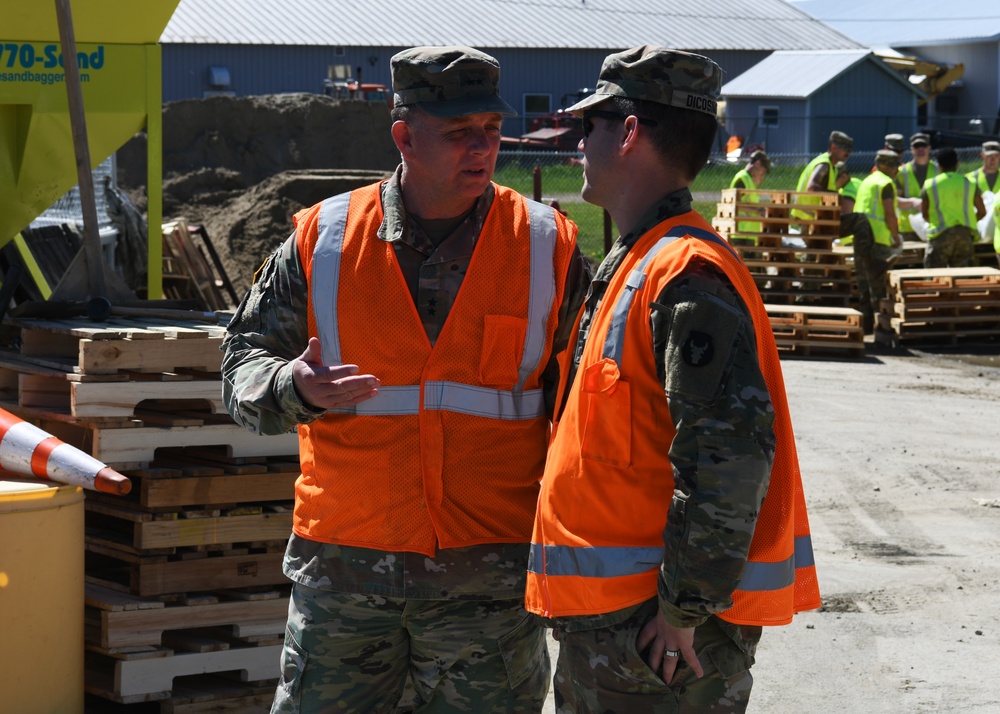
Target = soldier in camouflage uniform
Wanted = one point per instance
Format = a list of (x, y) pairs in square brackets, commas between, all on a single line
[(668, 502), (364, 621)]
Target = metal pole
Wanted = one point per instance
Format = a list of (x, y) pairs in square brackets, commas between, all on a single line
[(78, 122)]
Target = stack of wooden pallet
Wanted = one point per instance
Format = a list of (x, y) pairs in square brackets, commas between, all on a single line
[(809, 331), (942, 305), (185, 596), (794, 260)]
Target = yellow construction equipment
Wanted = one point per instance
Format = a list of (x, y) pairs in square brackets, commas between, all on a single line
[(931, 77)]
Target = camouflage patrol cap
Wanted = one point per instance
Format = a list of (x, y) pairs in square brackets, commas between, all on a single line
[(991, 147), (895, 142), (448, 81), (657, 74), (839, 138), (885, 157), (919, 139)]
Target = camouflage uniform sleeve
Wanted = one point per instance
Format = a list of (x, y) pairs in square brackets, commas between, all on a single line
[(722, 453), (268, 331), (574, 293)]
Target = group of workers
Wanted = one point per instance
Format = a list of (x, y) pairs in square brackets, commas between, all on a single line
[(493, 442), (878, 212)]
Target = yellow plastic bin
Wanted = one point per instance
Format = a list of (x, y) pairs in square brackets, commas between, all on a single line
[(41, 597)]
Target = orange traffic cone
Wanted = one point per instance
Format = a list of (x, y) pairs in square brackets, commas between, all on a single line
[(29, 451)]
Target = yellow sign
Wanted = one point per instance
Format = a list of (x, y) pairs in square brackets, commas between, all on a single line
[(37, 161)]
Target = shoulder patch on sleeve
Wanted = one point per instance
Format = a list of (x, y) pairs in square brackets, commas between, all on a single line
[(704, 335)]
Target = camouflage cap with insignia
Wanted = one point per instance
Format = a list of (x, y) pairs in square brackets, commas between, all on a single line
[(657, 74), (448, 81), (991, 147)]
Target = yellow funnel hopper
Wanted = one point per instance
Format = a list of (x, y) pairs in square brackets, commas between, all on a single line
[(120, 75)]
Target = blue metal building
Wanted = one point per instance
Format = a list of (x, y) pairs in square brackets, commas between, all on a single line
[(547, 50), (963, 32), (791, 101)]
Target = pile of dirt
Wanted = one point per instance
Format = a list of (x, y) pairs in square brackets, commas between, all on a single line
[(242, 166)]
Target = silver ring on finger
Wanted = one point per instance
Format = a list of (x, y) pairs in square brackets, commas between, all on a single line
[(671, 653)]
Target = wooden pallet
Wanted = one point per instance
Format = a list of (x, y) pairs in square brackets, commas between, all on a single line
[(187, 572), (129, 678), (166, 485), (941, 305), (943, 279), (813, 331), (130, 445), (163, 398), (786, 198), (120, 623), (140, 531)]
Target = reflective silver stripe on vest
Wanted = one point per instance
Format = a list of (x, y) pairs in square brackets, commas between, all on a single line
[(614, 341), (452, 397), (391, 401), (593, 561), (482, 401), (326, 261), (542, 287), (617, 561), (760, 577), (449, 396)]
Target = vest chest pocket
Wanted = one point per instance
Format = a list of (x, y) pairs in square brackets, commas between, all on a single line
[(503, 347), (607, 431)]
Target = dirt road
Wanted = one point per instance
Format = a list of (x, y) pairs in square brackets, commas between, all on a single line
[(900, 456)]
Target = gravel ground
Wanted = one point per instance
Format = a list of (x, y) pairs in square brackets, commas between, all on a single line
[(899, 461)]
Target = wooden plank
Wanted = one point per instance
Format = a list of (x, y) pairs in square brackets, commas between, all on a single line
[(157, 578), (202, 531), (209, 490), (109, 356)]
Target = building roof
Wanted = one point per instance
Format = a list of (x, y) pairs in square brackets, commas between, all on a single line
[(556, 24), (800, 74), (907, 23)]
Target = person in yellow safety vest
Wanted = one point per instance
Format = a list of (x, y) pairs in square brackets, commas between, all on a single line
[(847, 187), (655, 554), (409, 330), (820, 174), (996, 229), (910, 180), (986, 176), (951, 205), (750, 177), (876, 234)]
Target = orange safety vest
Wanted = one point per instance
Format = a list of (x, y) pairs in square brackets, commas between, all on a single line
[(450, 452), (598, 540)]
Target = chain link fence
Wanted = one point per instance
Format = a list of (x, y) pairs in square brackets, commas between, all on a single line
[(558, 177)]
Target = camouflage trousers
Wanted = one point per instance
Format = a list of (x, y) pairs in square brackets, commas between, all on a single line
[(348, 652), (871, 263), (952, 248), (601, 671)]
